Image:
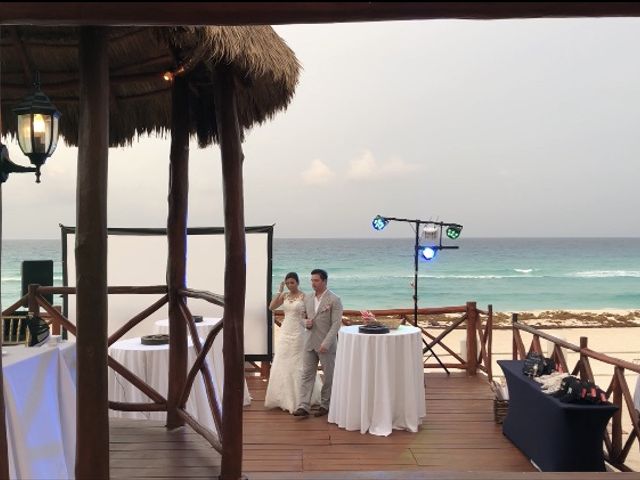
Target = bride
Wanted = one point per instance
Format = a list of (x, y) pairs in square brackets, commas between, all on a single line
[(286, 370)]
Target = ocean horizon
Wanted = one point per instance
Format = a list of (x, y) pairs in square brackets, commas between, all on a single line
[(512, 274)]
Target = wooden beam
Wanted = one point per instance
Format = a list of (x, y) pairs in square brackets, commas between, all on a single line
[(224, 91), (23, 300), (177, 247), (73, 83), (255, 13), (208, 435), (203, 295), (137, 319), (137, 407), (546, 336), (92, 448), (119, 290), (56, 316), (136, 381), (212, 398)]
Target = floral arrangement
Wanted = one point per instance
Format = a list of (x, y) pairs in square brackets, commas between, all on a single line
[(368, 317)]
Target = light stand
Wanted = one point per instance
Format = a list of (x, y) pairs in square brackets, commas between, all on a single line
[(380, 222)]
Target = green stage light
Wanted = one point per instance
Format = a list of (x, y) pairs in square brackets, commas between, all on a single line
[(453, 231)]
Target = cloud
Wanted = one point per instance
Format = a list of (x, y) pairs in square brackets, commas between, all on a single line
[(366, 167), (318, 173)]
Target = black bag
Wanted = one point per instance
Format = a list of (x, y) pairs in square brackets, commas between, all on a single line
[(594, 394), (535, 365), (574, 390), (571, 390)]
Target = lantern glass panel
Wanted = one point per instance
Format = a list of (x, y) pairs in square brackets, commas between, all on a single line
[(54, 143), (24, 133)]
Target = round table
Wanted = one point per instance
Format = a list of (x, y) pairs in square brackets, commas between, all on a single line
[(203, 328), (151, 364), (378, 381)]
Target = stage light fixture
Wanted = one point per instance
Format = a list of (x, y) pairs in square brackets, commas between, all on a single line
[(427, 252), (379, 222), (453, 231)]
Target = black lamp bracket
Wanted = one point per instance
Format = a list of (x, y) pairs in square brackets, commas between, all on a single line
[(7, 166)]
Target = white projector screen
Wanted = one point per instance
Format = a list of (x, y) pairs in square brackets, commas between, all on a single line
[(138, 257)]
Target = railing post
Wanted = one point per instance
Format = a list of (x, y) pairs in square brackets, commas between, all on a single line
[(32, 300), (585, 365), (616, 421), (584, 342), (489, 342), (265, 369), (514, 345), (472, 347)]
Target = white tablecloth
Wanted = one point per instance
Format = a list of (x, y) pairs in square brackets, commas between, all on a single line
[(40, 400), (151, 364), (378, 382), (204, 327)]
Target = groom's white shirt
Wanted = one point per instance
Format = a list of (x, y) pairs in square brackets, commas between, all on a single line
[(317, 300)]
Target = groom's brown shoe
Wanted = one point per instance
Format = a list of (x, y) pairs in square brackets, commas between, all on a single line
[(321, 412), (301, 412)]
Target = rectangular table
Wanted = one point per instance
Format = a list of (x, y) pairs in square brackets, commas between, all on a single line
[(558, 437), (40, 401)]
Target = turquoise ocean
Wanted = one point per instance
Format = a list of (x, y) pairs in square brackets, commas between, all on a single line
[(509, 273)]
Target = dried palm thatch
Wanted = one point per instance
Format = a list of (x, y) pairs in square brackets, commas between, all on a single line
[(266, 72)]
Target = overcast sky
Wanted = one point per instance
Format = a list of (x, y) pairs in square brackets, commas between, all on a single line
[(511, 128)]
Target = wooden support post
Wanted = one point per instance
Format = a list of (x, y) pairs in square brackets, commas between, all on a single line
[(235, 272), (472, 346), (4, 452), (177, 248), (92, 447)]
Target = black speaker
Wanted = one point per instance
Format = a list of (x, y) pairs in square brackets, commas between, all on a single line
[(39, 272)]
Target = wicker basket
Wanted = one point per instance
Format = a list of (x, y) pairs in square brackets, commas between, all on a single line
[(500, 409)]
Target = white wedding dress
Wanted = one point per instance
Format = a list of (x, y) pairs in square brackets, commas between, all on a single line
[(286, 369)]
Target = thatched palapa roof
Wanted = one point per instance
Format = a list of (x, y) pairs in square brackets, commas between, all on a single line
[(266, 74)]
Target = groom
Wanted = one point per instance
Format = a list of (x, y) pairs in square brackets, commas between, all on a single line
[(324, 317)]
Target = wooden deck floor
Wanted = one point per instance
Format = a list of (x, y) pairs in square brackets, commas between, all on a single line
[(457, 433), (458, 439)]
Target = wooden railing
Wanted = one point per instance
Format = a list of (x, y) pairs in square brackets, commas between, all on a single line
[(478, 324), (34, 300), (616, 446)]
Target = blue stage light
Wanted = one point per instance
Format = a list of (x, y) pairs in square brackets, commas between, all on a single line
[(427, 253), (379, 222)]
